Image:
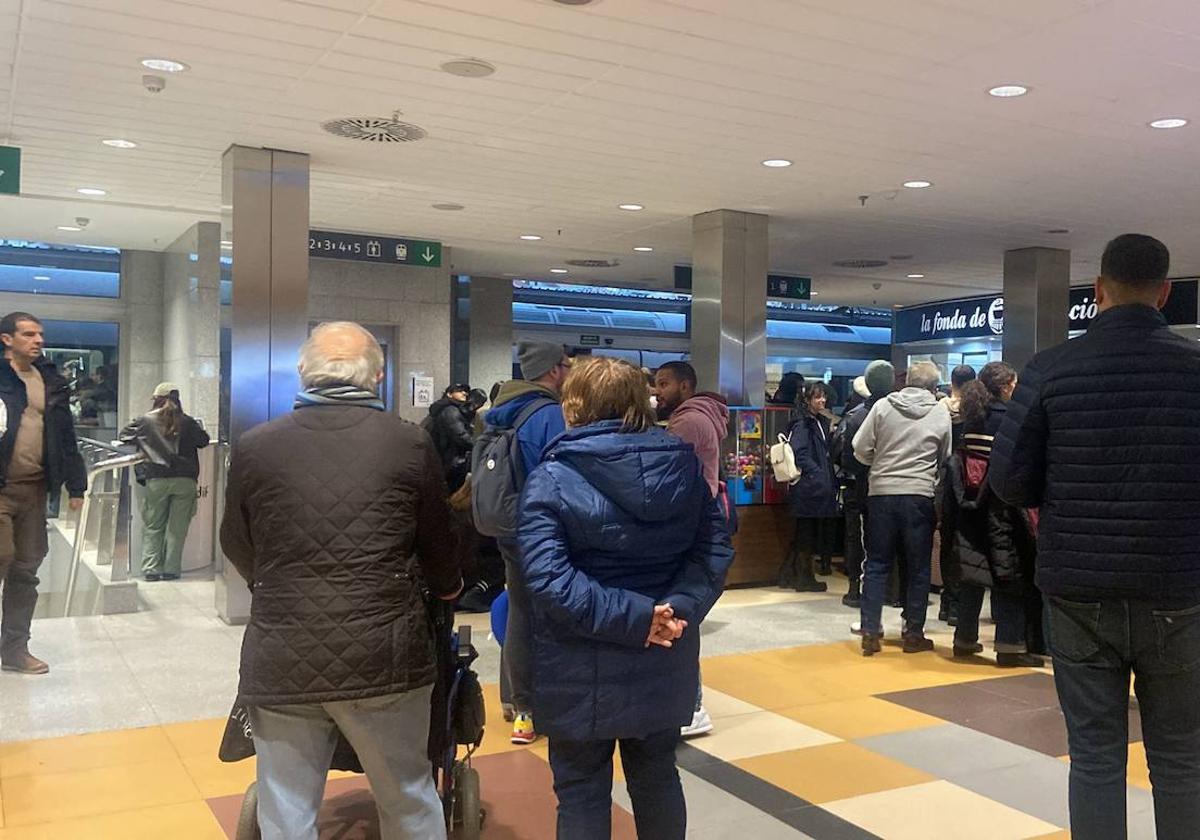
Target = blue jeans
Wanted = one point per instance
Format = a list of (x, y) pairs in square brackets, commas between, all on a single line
[(390, 733), (1008, 608), (583, 783), (895, 525), (1096, 646)]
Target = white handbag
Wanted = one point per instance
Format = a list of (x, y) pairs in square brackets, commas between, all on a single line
[(783, 461)]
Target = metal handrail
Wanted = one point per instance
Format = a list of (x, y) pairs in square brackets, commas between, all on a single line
[(121, 462)]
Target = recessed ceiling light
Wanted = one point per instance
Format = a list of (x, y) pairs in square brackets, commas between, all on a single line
[(42, 277), (633, 207), (918, 185), (120, 144), (530, 237), (1169, 122), (645, 249), (91, 191), (70, 228), (813, 294), (164, 65), (777, 163), (1008, 91), (469, 68), (449, 207), (915, 276), (558, 271)]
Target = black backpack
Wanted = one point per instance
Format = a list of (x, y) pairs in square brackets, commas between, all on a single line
[(498, 475)]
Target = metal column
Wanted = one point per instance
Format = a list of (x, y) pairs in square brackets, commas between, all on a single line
[(729, 304), (265, 198), (1037, 290)]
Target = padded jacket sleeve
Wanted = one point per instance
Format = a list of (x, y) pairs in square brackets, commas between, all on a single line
[(1017, 472), (544, 426), (702, 579), (454, 429), (571, 597)]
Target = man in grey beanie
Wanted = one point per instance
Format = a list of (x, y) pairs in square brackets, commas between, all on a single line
[(544, 367)]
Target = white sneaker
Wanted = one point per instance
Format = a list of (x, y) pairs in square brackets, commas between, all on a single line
[(701, 724), (856, 628)]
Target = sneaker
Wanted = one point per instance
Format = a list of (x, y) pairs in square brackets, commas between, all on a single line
[(25, 664), (170, 576), (856, 628), (965, 651), (852, 600), (701, 724), (523, 731), (872, 643), (917, 643), (1019, 660)]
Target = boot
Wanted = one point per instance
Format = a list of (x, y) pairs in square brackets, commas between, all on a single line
[(1019, 660), (853, 598), (826, 567), (872, 643), (806, 581), (787, 573)]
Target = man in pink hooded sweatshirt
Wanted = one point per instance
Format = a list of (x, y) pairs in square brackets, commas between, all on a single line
[(701, 419)]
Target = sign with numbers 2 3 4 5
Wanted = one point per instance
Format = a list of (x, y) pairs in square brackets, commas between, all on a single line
[(374, 249)]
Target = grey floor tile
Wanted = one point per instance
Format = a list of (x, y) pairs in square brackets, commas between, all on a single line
[(1037, 787), (950, 750)]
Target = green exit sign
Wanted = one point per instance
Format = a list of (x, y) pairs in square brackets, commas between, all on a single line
[(10, 170), (796, 288)]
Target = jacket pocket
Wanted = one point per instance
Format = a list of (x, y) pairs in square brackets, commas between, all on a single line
[(1074, 629), (1178, 637)]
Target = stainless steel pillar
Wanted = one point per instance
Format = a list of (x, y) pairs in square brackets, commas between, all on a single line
[(729, 304), (265, 197), (1037, 290)]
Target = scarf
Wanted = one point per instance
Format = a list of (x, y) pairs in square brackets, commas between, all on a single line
[(339, 395)]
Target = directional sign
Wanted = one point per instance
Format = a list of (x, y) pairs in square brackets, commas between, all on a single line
[(374, 249), (796, 288), (10, 170)]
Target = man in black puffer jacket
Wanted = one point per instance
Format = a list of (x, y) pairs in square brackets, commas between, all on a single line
[(336, 515), (1104, 436)]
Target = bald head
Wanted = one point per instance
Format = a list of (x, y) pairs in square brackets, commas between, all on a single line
[(341, 353)]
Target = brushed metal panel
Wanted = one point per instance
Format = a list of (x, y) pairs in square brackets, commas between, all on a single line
[(289, 275), (1037, 289)]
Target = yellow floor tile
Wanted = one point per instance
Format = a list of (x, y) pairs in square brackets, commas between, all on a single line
[(760, 733), (197, 737), (832, 772), (216, 778), (937, 811), (768, 686), (860, 717), (1138, 771), (84, 752), (62, 796), (497, 731), (186, 821)]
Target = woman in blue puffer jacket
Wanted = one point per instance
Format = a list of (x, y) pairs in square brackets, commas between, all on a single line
[(624, 552)]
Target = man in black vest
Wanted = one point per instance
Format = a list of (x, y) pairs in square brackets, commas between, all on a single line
[(1103, 435)]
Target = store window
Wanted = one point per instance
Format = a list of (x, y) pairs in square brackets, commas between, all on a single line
[(40, 269)]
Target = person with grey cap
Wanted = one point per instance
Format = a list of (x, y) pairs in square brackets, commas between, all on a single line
[(171, 441), (531, 407)]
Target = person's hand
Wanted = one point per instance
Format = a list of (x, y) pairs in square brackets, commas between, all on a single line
[(75, 505), (665, 628)]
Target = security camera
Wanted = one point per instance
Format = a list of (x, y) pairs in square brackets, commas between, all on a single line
[(877, 286), (82, 221), (154, 84)]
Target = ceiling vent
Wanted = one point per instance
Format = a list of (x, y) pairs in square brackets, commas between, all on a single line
[(574, 2), (594, 263), (374, 129), (469, 68), (861, 263)]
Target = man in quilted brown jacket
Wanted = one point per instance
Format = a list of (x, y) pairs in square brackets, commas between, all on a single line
[(336, 515)]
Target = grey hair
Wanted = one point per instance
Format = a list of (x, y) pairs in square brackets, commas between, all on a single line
[(324, 360), (923, 375)]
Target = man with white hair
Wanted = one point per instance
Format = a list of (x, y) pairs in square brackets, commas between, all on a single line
[(904, 442), (336, 515)]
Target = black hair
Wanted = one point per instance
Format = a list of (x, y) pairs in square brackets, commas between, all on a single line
[(476, 398), (495, 392), (978, 395), (1136, 259), (961, 375), (8, 324), (809, 391), (682, 371), (790, 388)]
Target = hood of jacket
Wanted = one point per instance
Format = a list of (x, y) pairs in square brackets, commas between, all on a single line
[(711, 407), (913, 403), (512, 397), (649, 475)]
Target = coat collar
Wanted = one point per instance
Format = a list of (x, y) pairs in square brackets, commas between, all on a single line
[(1129, 315)]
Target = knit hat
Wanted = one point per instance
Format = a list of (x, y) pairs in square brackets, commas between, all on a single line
[(880, 378), (860, 387), (537, 358), (164, 389)]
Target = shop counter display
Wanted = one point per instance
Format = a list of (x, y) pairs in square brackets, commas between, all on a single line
[(764, 525)]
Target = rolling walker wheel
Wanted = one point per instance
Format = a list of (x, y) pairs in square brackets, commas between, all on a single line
[(247, 827), (468, 810)]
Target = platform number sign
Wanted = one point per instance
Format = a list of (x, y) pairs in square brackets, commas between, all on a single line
[(374, 249), (10, 170)]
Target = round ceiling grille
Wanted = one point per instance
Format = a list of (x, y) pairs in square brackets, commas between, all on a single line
[(594, 263), (861, 263), (574, 2), (374, 129)]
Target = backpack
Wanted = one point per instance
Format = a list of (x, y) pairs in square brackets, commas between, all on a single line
[(783, 461), (498, 475)]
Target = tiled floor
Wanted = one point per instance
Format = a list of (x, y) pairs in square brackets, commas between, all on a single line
[(811, 739)]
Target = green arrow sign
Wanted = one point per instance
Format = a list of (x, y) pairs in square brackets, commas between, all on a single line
[(10, 170), (375, 249)]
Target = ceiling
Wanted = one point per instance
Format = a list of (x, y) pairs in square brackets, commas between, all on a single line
[(667, 103)]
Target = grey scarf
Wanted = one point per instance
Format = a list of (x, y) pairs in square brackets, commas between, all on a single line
[(339, 395)]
